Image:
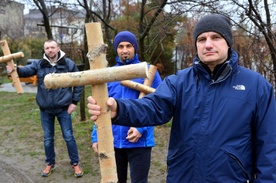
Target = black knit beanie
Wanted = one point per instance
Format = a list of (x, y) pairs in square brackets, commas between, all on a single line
[(215, 23)]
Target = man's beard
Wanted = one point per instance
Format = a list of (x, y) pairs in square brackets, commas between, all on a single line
[(52, 57), (125, 58)]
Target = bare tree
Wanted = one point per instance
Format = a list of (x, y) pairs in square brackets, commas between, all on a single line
[(260, 14), (156, 22), (44, 11)]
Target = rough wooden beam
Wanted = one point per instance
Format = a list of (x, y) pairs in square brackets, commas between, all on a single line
[(96, 76), (97, 60), (14, 75), (148, 81), (7, 58), (138, 86)]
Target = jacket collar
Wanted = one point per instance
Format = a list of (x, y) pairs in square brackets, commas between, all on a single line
[(134, 60), (47, 63), (222, 71)]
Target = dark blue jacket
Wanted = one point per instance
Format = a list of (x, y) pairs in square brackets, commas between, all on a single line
[(223, 129), (116, 90), (52, 99)]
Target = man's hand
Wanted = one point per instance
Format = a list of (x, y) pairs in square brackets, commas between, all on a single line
[(95, 147), (133, 134), (95, 110), (71, 108), (10, 69)]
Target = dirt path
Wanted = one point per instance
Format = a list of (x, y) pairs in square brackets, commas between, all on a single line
[(19, 167), (9, 174), (22, 159)]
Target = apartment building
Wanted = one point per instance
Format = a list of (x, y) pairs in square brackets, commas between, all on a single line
[(11, 19)]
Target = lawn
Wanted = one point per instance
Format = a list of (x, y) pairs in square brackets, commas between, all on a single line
[(22, 138)]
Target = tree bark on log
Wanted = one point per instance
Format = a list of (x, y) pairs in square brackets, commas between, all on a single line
[(148, 81), (138, 86), (12, 56), (97, 76), (97, 60), (14, 75)]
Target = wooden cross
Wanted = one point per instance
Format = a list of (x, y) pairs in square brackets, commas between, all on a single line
[(145, 87), (98, 76), (8, 58)]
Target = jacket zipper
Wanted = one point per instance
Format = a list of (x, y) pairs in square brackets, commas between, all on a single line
[(238, 162)]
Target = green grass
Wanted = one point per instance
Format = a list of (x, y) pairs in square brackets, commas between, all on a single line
[(20, 120), (4, 78), (21, 134)]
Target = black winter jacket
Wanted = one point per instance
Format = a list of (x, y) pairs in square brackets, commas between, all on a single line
[(52, 99)]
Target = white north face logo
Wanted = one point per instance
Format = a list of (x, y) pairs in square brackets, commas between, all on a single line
[(239, 87)]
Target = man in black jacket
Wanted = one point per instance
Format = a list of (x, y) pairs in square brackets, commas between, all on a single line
[(55, 103)]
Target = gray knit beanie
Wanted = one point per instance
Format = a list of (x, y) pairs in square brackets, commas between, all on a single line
[(215, 23)]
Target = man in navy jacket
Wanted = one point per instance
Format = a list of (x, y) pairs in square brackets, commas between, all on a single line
[(224, 127), (55, 103)]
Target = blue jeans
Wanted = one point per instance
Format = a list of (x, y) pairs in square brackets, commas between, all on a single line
[(48, 125), (138, 160)]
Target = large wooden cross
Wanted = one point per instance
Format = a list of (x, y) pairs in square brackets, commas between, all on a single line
[(8, 58), (98, 76)]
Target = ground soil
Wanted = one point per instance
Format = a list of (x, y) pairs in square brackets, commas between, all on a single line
[(20, 167), (21, 145)]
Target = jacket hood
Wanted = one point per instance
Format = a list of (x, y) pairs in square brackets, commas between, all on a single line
[(61, 54)]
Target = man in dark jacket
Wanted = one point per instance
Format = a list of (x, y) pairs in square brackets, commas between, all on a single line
[(55, 103), (132, 145), (223, 127)]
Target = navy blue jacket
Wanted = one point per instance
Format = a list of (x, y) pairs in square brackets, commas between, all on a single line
[(223, 129), (116, 90), (52, 99)]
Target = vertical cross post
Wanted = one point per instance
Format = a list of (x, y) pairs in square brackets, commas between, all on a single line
[(97, 60), (14, 75)]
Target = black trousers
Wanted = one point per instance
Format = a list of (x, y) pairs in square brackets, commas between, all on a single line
[(139, 163)]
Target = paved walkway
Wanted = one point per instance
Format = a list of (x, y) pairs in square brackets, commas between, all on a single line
[(27, 88)]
